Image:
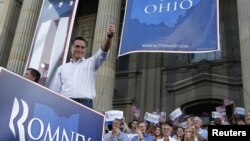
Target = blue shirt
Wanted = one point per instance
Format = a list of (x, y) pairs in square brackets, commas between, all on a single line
[(146, 137), (203, 133), (123, 137)]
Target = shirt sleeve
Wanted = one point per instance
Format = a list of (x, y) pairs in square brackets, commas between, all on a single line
[(99, 57), (125, 137), (106, 137), (57, 84), (135, 138), (205, 134)]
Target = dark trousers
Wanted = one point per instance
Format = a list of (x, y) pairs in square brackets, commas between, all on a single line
[(84, 101)]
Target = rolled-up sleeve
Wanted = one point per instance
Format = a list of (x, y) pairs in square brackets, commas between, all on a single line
[(99, 58)]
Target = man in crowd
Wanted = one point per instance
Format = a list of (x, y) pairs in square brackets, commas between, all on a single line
[(201, 134), (166, 132), (32, 74), (116, 134), (76, 79), (142, 134), (247, 118)]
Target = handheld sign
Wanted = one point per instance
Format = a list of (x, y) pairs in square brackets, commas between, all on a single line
[(112, 115), (228, 102), (30, 111), (216, 114), (239, 110), (151, 117), (176, 113)]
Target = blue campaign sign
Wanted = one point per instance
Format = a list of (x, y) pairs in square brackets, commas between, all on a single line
[(31, 112), (177, 26)]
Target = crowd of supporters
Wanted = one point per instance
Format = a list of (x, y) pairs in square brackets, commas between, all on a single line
[(191, 128)]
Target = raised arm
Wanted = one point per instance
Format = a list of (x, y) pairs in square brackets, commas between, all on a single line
[(107, 42)]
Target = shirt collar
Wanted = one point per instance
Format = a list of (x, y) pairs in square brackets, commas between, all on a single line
[(79, 60)]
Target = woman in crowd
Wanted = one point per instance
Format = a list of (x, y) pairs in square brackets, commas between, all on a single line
[(157, 133), (179, 134), (190, 134)]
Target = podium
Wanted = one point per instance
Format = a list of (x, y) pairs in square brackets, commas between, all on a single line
[(31, 112)]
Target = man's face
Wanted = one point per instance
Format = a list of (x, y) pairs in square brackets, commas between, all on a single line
[(248, 118), (28, 75), (166, 130), (142, 127), (116, 124), (78, 49), (197, 122)]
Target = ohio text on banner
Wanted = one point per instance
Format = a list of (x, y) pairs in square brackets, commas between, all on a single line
[(52, 37), (180, 26), (31, 112)]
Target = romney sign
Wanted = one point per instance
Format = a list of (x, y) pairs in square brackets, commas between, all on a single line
[(31, 112)]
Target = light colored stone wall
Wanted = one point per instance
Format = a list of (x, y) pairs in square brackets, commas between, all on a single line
[(244, 30)]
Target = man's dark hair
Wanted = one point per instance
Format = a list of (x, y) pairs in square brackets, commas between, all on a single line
[(143, 121), (79, 38), (35, 73), (135, 120), (119, 120)]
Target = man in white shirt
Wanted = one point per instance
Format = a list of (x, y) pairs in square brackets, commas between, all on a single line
[(76, 79), (116, 134), (166, 132)]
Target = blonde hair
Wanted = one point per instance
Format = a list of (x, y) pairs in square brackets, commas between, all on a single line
[(193, 134)]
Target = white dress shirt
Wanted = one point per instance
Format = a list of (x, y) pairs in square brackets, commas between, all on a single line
[(76, 79)]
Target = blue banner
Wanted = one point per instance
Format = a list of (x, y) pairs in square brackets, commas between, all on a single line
[(177, 26), (30, 112)]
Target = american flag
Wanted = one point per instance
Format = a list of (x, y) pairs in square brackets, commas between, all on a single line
[(52, 37)]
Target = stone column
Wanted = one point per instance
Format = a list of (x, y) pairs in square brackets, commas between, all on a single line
[(24, 35), (108, 11), (244, 31), (9, 10), (150, 96)]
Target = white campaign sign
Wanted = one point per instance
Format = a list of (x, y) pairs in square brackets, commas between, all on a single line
[(220, 109), (113, 114), (239, 110), (176, 113), (151, 117), (216, 114)]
